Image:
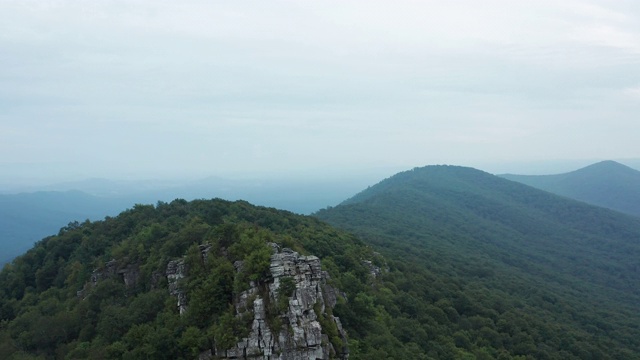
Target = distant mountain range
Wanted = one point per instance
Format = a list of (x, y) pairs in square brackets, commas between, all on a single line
[(28, 217), (447, 263), (608, 184), (560, 261)]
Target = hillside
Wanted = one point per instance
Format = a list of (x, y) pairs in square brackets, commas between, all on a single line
[(28, 217), (451, 263), (608, 184), (528, 272), (208, 279)]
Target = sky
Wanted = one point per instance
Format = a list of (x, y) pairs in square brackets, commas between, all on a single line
[(139, 89)]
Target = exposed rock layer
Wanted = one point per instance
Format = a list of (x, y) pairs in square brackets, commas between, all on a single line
[(129, 275), (289, 332), (176, 270), (300, 336)]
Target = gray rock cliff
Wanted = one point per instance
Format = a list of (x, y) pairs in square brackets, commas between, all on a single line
[(301, 335), (284, 326), (128, 274), (176, 270)]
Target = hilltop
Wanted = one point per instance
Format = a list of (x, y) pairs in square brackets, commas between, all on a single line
[(608, 184), (566, 270), (27, 217), (208, 279)]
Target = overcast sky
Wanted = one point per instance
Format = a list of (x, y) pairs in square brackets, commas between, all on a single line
[(127, 89)]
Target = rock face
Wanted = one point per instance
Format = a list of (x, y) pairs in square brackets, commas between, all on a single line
[(176, 270), (375, 271), (129, 274), (289, 310), (300, 334)]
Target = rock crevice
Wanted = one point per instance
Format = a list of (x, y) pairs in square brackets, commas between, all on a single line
[(287, 309), (301, 335)]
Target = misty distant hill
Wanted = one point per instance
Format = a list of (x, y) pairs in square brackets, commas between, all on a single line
[(608, 184), (301, 196), (95, 313), (450, 263), (28, 217), (510, 251)]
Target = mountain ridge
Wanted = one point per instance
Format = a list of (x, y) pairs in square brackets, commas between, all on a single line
[(28, 217), (493, 233), (183, 280), (607, 184), (450, 262)]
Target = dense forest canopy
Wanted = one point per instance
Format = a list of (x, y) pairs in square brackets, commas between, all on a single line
[(566, 270), (57, 302), (27, 217), (448, 263)]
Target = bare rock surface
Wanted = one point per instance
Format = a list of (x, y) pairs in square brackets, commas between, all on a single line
[(177, 270), (300, 336), (289, 332)]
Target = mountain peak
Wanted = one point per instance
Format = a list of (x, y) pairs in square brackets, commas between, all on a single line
[(486, 233), (608, 166), (437, 176), (607, 183)]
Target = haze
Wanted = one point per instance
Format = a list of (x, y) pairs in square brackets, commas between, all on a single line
[(146, 89)]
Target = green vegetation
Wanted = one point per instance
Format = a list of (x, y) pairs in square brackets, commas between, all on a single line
[(49, 309), (286, 289), (482, 267), (28, 217), (608, 184), (451, 263)]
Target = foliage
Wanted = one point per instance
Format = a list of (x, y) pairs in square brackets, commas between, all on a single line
[(488, 268), (286, 289), (66, 297), (472, 267)]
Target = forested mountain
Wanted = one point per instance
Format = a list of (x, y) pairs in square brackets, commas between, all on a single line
[(449, 263), (514, 270), (608, 184), (28, 217), (205, 278)]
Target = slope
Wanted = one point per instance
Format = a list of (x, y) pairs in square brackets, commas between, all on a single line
[(567, 270), (177, 281), (28, 217), (608, 184)]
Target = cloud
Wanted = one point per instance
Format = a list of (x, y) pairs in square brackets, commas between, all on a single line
[(152, 83)]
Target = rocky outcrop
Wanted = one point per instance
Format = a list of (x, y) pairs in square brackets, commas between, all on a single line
[(291, 310), (176, 270), (374, 271), (129, 274), (300, 334)]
